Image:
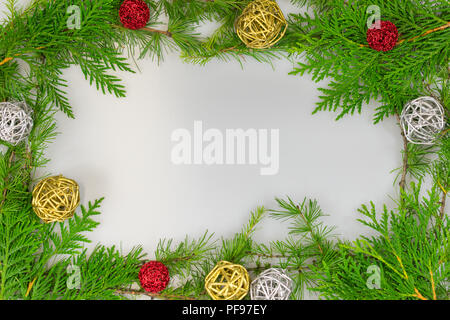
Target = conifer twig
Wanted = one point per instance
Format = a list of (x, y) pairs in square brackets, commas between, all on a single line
[(433, 285), (262, 255), (5, 190), (445, 26), (149, 29), (419, 295), (298, 269), (402, 182), (165, 32), (310, 229), (8, 59)]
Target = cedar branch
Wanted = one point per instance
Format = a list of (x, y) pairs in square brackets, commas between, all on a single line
[(402, 182), (445, 26), (5, 190), (154, 295)]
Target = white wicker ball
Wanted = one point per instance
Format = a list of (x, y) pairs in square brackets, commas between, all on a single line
[(422, 119), (15, 121), (272, 284)]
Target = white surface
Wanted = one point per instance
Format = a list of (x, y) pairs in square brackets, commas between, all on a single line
[(120, 149)]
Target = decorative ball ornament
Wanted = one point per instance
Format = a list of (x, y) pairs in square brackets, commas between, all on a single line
[(154, 276), (15, 121), (134, 14), (422, 119), (227, 281), (272, 284), (261, 24), (55, 199), (384, 38)]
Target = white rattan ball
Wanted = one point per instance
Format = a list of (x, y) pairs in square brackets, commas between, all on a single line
[(422, 119), (15, 121), (272, 284)]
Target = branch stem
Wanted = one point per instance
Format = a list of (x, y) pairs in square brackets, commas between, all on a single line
[(154, 295), (149, 29), (262, 255), (164, 32), (310, 230), (6, 180), (445, 26)]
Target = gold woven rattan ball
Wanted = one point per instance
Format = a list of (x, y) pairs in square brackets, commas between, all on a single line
[(55, 198), (227, 281), (261, 24)]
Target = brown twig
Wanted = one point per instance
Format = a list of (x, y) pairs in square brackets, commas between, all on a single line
[(402, 182), (154, 295), (443, 200), (262, 255), (445, 26), (426, 33), (7, 59), (228, 49)]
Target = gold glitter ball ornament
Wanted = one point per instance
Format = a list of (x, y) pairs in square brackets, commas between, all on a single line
[(261, 24), (227, 281), (55, 198)]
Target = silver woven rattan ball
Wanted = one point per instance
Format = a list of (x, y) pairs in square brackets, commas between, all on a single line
[(272, 284), (422, 119), (15, 121)]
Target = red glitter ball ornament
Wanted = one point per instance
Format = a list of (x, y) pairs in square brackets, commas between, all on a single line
[(134, 14), (384, 38), (154, 276)]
